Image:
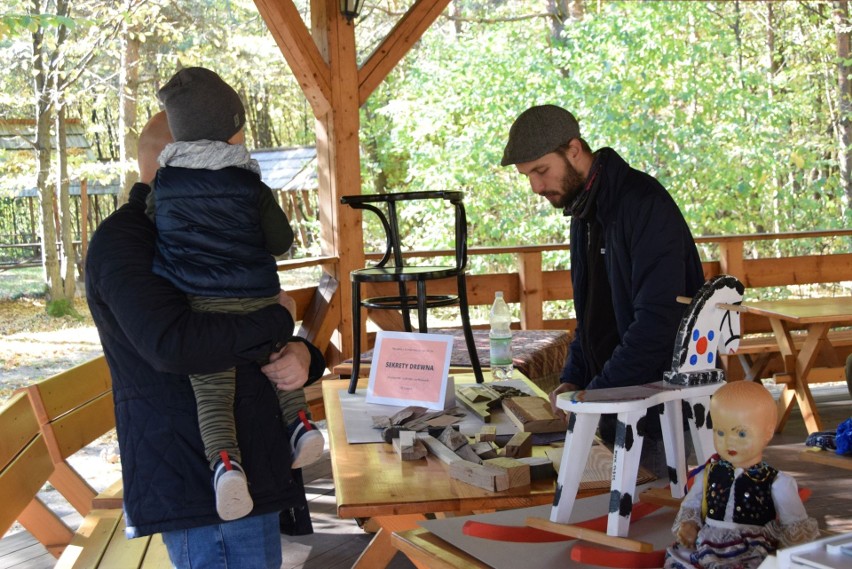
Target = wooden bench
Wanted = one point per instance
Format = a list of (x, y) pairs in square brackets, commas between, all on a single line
[(42, 426), (25, 466), (755, 353)]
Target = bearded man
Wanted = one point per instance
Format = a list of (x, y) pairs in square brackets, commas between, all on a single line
[(632, 255)]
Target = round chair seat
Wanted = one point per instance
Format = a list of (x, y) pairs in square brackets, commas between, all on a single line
[(402, 302), (397, 274)]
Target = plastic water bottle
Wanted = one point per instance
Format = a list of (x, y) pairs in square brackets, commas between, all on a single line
[(501, 339)]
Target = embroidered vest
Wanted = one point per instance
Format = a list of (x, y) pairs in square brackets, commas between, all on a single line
[(752, 493)]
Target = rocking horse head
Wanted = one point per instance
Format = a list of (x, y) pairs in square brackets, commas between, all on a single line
[(710, 325)]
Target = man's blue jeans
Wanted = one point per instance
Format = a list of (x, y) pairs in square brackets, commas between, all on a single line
[(247, 543)]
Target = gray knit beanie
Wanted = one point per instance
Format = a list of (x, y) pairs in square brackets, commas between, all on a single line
[(538, 131), (201, 106)]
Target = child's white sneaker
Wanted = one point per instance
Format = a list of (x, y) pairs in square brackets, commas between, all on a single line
[(233, 500), (306, 441)]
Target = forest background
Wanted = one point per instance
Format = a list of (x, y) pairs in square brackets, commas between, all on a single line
[(741, 109)]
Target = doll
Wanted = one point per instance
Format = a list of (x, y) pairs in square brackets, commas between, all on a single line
[(739, 509)]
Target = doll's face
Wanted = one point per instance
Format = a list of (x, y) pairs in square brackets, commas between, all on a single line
[(739, 436)]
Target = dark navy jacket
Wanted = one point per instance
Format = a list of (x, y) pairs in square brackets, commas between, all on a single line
[(650, 260), (217, 231), (152, 339)]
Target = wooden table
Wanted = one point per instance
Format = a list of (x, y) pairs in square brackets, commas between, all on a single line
[(371, 482), (817, 316)]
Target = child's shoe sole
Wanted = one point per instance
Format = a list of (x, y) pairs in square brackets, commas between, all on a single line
[(233, 500), (310, 447)]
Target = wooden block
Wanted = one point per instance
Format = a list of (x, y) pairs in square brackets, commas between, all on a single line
[(520, 445), (487, 433), (483, 395), (403, 444), (472, 394), (590, 535), (518, 472), (484, 450), (408, 447), (540, 467), (452, 439), (467, 453), (533, 415), (480, 475), (438, 448)]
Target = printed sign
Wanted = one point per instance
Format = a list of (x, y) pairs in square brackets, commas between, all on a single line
[(411, 369)]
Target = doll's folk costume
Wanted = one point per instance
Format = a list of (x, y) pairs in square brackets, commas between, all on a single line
[(739, 509)]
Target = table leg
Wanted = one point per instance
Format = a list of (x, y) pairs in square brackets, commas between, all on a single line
[(379, 552), (797, 366)]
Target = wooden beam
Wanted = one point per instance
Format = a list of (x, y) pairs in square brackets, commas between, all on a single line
[(302, 55), (529, 273), (338, 164), (407, 31)]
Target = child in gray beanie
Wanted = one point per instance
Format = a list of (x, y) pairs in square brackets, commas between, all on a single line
[(218, 227)]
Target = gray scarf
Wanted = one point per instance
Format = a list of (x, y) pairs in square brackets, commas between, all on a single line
[(208, 155)]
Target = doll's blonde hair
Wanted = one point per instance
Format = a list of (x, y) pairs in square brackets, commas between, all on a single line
[(748, 396)]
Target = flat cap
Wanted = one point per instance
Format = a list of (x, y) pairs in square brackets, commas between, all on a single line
[(201, 106), (538, 131)]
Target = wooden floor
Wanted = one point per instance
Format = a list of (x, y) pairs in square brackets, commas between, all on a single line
[(337, 543)]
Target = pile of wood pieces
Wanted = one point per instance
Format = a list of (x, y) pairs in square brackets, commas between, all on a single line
[(399, 429), (484, 398), (415, 431), (480, 462), (529, 413), (484, 464)]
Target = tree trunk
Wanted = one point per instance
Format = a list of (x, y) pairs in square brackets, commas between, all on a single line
[(844, 98), (128, 91), (46, 195), (68, 255)]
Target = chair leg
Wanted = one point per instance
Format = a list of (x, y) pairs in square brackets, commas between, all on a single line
[(406, 312), (422, 315), (356, 336), (468, 331)]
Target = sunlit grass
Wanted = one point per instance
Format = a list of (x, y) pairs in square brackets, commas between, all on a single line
[(27, 281)]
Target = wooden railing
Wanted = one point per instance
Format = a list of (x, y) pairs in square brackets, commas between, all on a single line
[(532, 283)]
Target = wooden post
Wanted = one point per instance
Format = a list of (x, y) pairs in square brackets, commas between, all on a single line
[(731, 259), (529, 272), (338, 157)]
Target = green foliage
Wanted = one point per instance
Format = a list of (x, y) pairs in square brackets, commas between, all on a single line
[(682, 90), (743, 134), (62, 307)]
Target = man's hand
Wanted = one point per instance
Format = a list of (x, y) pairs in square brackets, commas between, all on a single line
[(287, 302), (288, 369), (563, 387)]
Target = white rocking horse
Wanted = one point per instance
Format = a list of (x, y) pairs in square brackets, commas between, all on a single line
[(711, 324)]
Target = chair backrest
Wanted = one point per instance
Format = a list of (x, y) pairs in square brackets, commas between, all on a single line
[(385, 206)]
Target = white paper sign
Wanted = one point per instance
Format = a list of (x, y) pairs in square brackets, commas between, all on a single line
[(411, 369)]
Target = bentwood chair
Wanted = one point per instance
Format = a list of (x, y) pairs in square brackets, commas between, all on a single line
[(393, 268)]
